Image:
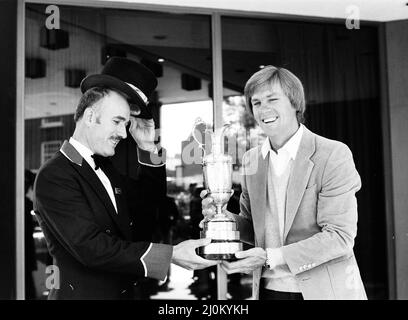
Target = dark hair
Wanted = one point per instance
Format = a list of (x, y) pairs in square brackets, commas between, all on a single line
[(88, 99), (290, 84)]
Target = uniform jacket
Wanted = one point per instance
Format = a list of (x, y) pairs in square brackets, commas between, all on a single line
[(91, 244), (320, 217)]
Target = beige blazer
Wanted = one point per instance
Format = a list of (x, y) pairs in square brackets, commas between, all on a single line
[(320, 217)]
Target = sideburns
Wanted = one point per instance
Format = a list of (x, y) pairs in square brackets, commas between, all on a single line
[(97, 116), (95, 109)]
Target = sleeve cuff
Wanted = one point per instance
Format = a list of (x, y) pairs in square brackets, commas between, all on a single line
[(274, 257), (152, 159), (156, 260), (143, 263)]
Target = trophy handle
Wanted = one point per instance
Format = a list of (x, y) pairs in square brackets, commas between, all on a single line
[(217, 141), (217, 136), (201, 145)]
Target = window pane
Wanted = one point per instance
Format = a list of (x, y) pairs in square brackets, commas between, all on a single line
[(176, 47), (339, 71)]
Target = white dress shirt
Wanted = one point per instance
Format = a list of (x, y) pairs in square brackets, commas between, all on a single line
[(281, 163)]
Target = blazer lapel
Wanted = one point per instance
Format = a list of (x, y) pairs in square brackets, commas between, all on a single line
[(89, 175), (299, 178), (259, 198)]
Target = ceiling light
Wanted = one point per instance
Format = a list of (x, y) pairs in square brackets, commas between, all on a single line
[(161, 60)]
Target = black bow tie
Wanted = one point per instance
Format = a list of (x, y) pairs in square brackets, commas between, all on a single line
[(100, 162)]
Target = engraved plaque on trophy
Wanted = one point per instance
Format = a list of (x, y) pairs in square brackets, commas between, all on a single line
[(217, 170)]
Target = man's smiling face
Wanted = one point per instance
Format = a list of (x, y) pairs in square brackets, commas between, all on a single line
[(273, 111)]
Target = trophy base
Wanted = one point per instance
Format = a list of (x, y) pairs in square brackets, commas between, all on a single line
[(219, 256), (225, 239), (220, 250)]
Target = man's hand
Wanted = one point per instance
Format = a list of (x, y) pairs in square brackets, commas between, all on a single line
[(184, 255), (208, 207), (249, 260), (142, 131)]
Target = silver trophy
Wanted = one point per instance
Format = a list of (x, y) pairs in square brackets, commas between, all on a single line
[(217, 169)]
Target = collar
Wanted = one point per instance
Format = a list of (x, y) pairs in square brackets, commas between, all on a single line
[(291, 146), (85, 152)]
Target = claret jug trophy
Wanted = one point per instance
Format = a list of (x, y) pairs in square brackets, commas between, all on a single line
[(217, 170)]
